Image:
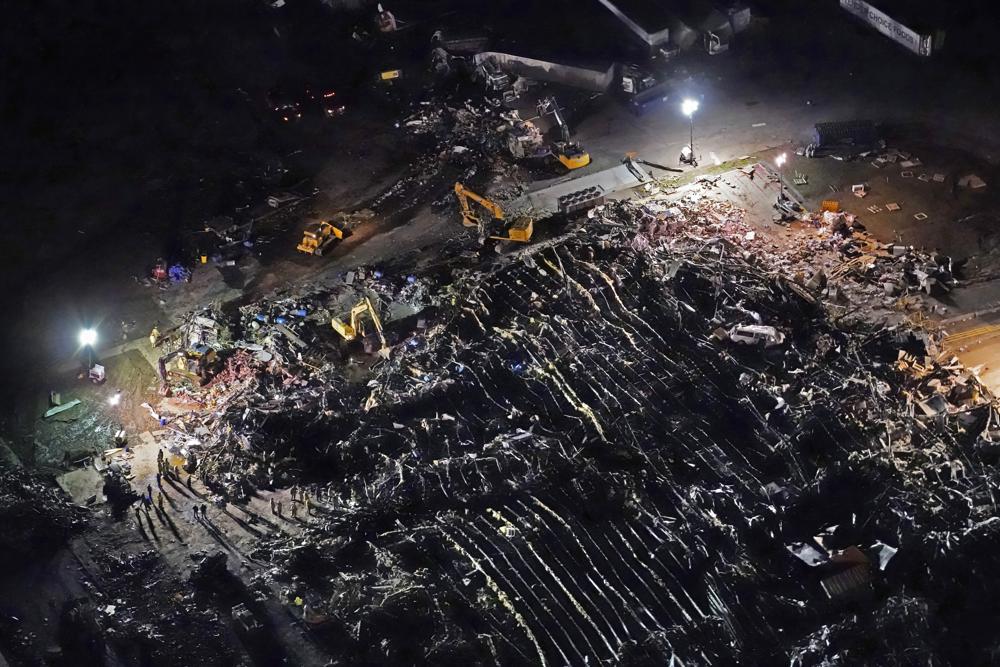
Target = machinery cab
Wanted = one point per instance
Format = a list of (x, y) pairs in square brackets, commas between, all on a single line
[(572, 156), (520, 231)]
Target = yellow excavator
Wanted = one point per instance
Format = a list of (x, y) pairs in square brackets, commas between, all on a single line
[(355, 326), (568, 153), (520, 230), (318, 236), (193, 364)]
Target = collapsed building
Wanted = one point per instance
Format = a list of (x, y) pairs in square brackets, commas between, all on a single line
[(680, 25), (578, 459)]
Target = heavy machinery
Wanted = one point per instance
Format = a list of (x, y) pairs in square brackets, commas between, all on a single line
[(520, 230), (353, 328), (571, 155), (319, 235), (193, 364)]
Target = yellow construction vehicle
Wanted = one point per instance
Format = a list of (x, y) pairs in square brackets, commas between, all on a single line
[(354, 327), (319, 235), (193, 364), (520, 230), (571, 155)]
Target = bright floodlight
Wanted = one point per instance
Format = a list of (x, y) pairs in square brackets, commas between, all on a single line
[(688, 107), (781, 159), (88, 337)]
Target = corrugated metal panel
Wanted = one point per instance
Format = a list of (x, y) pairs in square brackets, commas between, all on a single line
[(847, 583)]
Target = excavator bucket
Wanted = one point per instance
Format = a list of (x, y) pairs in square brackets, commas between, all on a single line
[(469, 218)]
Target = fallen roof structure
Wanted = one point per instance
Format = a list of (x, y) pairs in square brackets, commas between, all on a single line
[(572, 464), (650, 22), (596, 80), (677, 24)]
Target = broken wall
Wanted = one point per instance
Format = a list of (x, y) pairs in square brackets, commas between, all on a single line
[(597, 81)]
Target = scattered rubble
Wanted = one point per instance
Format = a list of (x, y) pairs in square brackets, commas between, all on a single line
[(566, 465), (35, 515)]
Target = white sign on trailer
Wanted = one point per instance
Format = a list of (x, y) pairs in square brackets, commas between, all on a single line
[(888, 26)]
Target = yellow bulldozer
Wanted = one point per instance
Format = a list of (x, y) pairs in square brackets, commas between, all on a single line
[(354, 327), (319, 235), (520, 229)]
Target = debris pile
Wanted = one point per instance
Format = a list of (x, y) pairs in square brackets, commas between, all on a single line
[(36, 516), (580, 462), (459, 129)]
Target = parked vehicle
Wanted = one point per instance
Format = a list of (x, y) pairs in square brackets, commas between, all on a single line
[(756, 334)]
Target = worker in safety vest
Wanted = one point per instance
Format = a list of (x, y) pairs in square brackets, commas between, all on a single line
[(154, 336)]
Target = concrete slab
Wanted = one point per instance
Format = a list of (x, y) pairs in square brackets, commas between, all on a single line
[(62, 408), (82, 484), (545, 201)]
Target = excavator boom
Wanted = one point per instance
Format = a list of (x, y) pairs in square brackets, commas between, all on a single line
[(469, 218), (350, 330), (569, 154), (520, 230)]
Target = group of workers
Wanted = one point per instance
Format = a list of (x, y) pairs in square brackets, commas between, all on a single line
[(299, 496), (164, 470)]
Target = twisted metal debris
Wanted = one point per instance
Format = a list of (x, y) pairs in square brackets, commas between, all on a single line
[(575, 466)]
